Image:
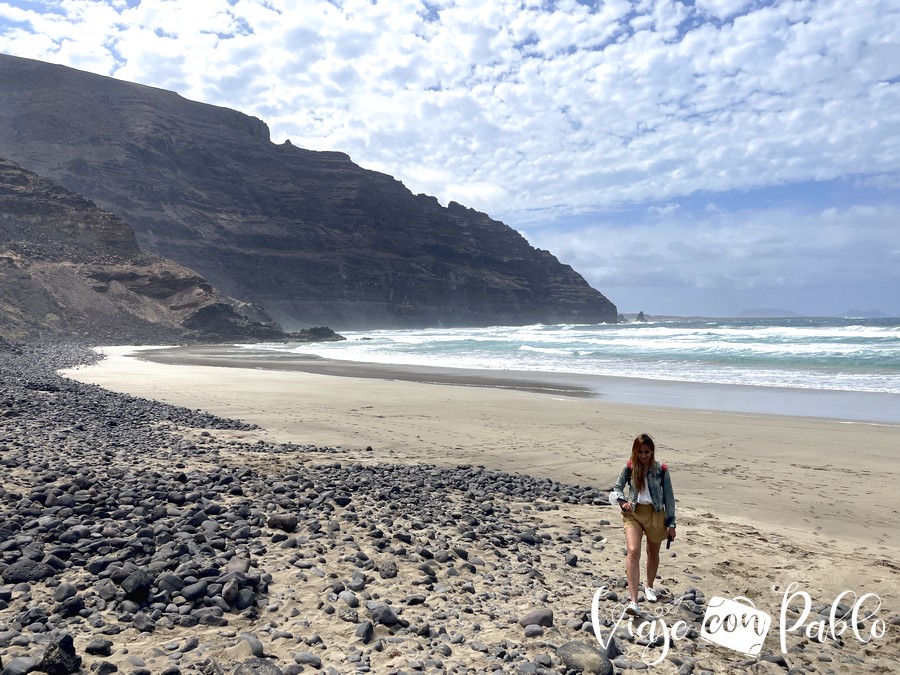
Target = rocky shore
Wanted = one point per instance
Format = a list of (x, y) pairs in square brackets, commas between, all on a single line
[(141, 538)]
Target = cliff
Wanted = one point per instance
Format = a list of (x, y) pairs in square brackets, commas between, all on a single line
[(71, 269), (309, 236)]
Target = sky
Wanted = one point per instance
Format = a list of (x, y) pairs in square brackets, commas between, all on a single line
[(700, 157)]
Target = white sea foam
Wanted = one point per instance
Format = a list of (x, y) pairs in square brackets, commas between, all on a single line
[(825, 354)]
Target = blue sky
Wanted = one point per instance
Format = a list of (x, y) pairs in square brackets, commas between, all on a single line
[(700, 157)]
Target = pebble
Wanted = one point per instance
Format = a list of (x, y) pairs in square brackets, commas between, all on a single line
[(256, 646), (539, 617), (307, 659), (583, 657)]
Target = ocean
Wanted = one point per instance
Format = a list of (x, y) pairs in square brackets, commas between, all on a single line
[(830, 367)]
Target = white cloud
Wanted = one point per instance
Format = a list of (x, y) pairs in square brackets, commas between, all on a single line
[(721, 9), (881, 182), (556, 106), (666, 210), (530, 111)]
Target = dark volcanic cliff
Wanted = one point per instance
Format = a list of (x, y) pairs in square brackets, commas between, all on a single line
[(71, 269), (309, 236)]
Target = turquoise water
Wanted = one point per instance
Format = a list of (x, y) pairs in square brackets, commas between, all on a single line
[(832, 354)]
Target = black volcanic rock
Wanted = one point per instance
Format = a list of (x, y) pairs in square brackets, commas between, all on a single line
[(71, 269), (309, 236)]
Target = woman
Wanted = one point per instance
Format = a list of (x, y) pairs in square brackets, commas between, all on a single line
[(648, 509)]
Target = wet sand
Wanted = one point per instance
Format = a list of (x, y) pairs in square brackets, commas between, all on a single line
[(819, 403)]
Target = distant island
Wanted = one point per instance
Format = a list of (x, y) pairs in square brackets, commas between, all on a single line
[(638, 317)]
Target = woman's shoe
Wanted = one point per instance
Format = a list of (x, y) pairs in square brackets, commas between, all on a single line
[(650, 594), (632, 609)]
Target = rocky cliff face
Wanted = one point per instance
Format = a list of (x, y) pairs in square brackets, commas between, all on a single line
[(71, 269), (309, 236)]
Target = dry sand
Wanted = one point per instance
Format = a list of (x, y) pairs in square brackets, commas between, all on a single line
[(764, 501)]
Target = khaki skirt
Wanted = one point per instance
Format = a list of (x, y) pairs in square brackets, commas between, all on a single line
[(651, 521)]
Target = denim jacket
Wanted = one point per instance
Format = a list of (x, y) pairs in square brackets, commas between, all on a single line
[(658, 482)]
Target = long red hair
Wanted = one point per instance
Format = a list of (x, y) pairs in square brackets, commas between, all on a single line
[(638, 469)]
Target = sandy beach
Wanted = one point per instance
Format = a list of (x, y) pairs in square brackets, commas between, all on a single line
[(740, 479), (393, 519)]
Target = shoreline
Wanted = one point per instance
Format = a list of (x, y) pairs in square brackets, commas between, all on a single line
[(846, 406), (225, 356)]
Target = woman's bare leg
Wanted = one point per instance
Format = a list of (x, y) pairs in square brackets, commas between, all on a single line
[(652, 561), (633, 537)]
